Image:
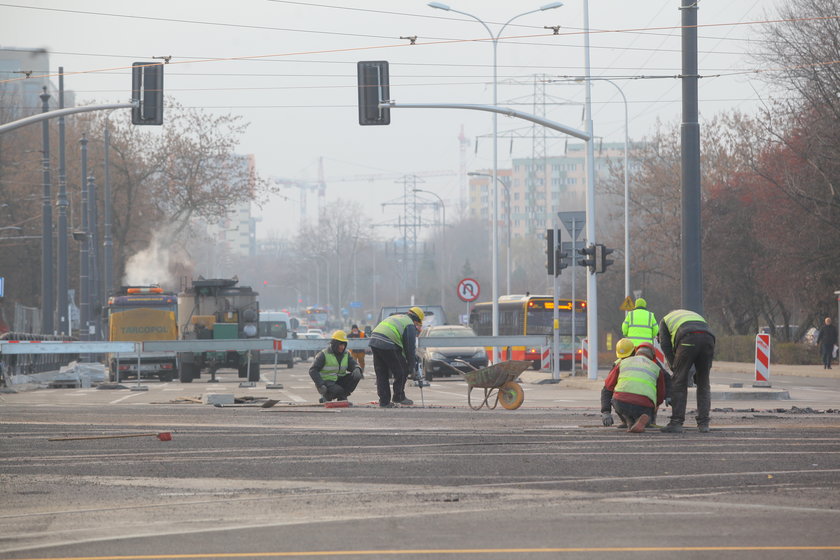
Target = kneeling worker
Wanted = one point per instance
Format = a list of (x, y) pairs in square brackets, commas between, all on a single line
[(334, 371), (635, 387)]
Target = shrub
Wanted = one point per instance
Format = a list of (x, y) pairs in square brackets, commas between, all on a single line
[(742, 349)]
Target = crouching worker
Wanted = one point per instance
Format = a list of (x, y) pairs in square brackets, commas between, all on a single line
[(635, 387), (334, 371)]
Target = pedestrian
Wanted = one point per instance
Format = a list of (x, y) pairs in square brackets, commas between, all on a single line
[(393, 344), (826, 340), (640, 324), (358, 355), (635, 388), (334, 371), (687, 341)]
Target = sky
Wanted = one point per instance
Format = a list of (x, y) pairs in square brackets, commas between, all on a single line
[(289, 69)]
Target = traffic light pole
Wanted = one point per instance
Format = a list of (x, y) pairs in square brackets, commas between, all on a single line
[(62, 112)]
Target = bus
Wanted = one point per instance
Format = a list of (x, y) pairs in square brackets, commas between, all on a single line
[(528, 314), (316, 318)]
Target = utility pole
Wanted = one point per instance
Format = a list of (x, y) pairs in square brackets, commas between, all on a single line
[(107, 243), (84, 259), (62, 203), (692, 263), (47, 301)]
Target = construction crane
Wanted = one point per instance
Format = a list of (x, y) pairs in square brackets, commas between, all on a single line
[(305, 186)]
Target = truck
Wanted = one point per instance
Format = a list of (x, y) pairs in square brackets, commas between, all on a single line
[(218, 309), (138, 314)]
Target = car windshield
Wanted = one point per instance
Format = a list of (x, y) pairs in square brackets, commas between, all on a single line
[(453, 332)]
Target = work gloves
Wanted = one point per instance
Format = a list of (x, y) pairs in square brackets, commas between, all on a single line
[(606, 419), (358, 375), (667, 401), (322, 389)]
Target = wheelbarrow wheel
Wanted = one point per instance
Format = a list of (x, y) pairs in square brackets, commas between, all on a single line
[(511, 395)]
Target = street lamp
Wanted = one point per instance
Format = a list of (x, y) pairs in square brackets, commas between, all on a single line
[(506, 185), (626, 186), (495, 40), (442, 240)]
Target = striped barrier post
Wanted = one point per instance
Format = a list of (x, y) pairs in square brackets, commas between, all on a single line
[(762, 360), (545, 358), (584, 355)]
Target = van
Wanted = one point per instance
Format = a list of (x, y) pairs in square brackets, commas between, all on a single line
[(276, 324)]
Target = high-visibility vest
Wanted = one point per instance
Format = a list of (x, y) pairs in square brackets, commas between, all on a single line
[(638, 375), (641, 326), (675, 319), (393, 328), (332, 369)]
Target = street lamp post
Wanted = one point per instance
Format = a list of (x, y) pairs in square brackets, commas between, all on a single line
[(442, 239), (506, 186), (495, 256)]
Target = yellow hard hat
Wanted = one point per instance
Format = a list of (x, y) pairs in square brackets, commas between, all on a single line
[(624, 348), (340, 336), (641, 303), (417, 312)]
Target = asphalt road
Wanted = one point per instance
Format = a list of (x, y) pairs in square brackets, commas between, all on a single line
[(300, 480)]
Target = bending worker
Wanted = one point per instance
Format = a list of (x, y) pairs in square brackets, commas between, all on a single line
[(687, 341), (640, 324), (634, 388), (393, 344), (334, 370)]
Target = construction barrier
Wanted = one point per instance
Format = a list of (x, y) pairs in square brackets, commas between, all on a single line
[(545, 358), (584, 355), (762, 360)]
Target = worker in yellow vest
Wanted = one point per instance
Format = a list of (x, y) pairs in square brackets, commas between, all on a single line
[(635, 387), (640, 324), (688, 342), (334, 371), (393, 344)]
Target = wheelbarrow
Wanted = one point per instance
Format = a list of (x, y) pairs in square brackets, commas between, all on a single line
[(498, 384)]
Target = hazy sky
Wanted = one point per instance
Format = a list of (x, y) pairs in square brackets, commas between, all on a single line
[(294, 78)]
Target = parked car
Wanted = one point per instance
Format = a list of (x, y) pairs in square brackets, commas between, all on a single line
[(443, 361)]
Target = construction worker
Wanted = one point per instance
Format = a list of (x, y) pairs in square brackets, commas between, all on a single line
[(688, 342), (358, 355), (640, 324), (334, 371), (393, 344), (635, 387)]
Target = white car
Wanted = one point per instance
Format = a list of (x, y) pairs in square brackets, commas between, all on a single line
[(319, 332)]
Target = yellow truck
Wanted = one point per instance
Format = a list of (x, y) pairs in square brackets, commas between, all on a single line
[(138, 314)]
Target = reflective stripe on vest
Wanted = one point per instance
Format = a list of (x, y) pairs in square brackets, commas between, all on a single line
[(675, 319), (639, 376), (393, 328), (332, 370), (640, 326)]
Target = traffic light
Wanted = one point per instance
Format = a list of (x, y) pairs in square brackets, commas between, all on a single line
[(589, 257), (550, 257), (560, 261), (373, 82), (147, 90), (601, 260)]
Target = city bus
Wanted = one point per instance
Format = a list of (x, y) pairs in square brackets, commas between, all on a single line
[(528, 314)]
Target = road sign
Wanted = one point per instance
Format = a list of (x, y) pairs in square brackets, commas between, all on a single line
[(574, 222), (627, 304), (468, 289), (2, 280)]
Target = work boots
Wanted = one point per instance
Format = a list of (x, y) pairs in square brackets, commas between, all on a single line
[(672, 428)]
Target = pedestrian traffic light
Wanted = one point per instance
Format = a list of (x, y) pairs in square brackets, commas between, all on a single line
[(589, 257), (550, 257), (373, 82), (147, 93), (601, 260)]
